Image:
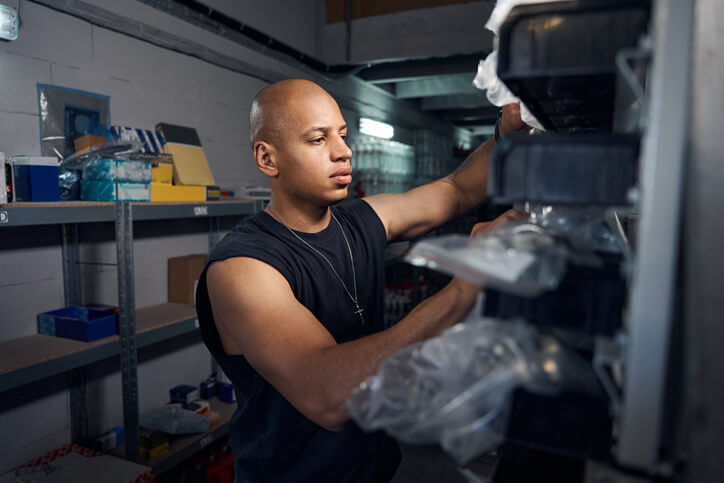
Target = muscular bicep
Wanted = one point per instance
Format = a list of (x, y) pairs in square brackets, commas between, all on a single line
[(258, 316)]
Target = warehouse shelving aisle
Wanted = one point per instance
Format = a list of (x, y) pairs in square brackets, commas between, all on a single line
[(29, 359)]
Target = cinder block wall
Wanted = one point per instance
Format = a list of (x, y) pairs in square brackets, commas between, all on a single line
[(147, 84)]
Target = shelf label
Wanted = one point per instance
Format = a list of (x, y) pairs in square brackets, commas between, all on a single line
[(201, 211), (207, 440), (3, 216)]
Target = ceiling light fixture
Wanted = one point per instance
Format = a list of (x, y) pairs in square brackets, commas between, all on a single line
[(8, 23), (376, 128)]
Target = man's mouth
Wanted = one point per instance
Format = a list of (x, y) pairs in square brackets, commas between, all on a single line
[(342, 176)]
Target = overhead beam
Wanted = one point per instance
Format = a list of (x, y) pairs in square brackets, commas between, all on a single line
[(453, 101), (437, 86), (420, 68), (481, 130), (480, 115)]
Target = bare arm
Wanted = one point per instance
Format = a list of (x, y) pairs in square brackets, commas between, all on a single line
[(421, 209), (257, 315)]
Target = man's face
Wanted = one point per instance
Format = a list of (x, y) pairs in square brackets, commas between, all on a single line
[(313, 158)]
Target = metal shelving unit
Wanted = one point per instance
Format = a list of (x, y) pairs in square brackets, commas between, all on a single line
[(181, 448), (29, 359)]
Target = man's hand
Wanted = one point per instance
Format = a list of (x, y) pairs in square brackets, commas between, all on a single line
[(511, 121), (470, 289), (486, 227)]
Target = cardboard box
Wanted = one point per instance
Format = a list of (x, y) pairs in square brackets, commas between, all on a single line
[(162, 173), (213, 193), (35, 178), (77, 323), (184, 393), (189, 161), (84, 143), (148, 139), (169, 192), (73, 463), (114, 191), (106, 169), (183, 275)]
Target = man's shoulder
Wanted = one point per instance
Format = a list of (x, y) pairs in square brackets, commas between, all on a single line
[(249, 236)]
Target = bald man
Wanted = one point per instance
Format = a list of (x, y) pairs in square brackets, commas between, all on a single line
[(291, 301)]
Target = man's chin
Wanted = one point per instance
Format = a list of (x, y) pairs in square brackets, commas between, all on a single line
[(339, 195)]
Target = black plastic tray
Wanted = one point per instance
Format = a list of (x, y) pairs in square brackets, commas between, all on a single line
[(589, 300), (559, 58), (583, 168), (571, 424), (523, 465)]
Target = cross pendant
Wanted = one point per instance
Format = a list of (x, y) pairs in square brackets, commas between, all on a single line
[(359, 312)]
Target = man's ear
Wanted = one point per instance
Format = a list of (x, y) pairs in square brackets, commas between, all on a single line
[(265, 158)]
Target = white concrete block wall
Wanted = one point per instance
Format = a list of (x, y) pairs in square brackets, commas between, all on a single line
[(146, 84)]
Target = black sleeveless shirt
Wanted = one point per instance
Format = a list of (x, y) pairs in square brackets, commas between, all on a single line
[(270, 439)]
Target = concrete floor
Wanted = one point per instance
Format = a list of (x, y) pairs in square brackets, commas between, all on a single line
[(429, 464)]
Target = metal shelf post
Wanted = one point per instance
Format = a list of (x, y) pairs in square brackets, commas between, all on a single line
[(72, 292), (653, 289), (127, 327)]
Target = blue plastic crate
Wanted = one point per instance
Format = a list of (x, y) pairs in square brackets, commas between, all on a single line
[(79, 323)]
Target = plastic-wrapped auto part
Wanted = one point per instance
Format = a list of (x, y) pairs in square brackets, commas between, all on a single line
[(66, 114), (523, 257), (452, 389), (69, 183), (173, 420)]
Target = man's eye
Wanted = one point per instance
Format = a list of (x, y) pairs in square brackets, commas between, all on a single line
[(316, 140)]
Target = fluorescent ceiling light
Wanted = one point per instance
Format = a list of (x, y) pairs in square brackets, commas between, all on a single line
[(375, 128), (8, 23)]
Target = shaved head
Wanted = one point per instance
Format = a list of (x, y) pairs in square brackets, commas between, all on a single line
[(270, 114)]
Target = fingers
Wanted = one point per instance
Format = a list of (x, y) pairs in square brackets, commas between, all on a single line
[(485, 227)]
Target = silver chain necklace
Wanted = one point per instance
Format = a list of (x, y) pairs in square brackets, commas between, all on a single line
[(351, 259)]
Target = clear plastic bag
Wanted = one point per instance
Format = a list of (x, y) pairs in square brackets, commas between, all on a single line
[(519, 257), (585, 228), (452, 389), (173, 420), (523, 257)]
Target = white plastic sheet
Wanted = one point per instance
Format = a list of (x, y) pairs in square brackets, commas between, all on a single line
[(487, 77)]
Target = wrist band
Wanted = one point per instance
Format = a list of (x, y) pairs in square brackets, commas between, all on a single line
[(497, 125)]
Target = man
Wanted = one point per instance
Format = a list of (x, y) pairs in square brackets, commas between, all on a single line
[(290, 304)]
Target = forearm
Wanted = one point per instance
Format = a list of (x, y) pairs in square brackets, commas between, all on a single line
[(471, 178), (337, 370)]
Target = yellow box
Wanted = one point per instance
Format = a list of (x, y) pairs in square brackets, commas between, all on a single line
[(190, 165), (84, 143), (163, 173), (169, 192)]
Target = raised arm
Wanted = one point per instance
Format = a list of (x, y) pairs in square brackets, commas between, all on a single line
[(258, 316), (410, 214)]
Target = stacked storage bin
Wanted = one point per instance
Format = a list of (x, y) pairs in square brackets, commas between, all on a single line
[(581, 162)]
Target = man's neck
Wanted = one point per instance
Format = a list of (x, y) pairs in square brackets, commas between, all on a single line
[(306, 218)]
